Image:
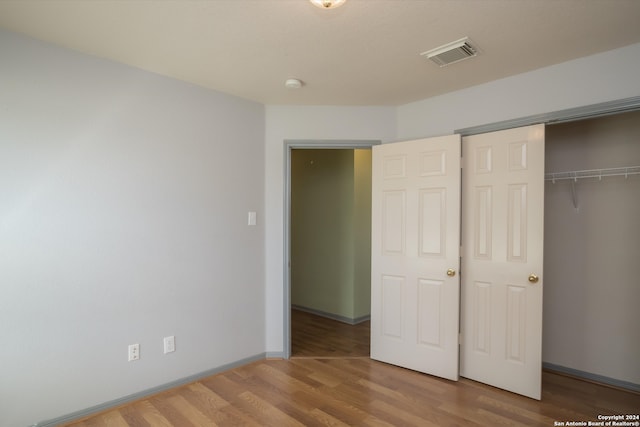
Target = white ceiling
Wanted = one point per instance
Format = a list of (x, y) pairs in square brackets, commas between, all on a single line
[(366, 52)]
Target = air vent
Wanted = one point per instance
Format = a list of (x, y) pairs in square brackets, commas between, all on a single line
[(451, 52)]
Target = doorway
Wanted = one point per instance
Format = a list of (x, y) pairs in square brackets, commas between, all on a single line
[(327, 277)]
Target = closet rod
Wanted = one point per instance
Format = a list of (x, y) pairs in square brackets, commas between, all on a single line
[(592, 173)]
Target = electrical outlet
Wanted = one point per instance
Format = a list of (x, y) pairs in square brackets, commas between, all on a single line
[(169, 344), (134, 352)]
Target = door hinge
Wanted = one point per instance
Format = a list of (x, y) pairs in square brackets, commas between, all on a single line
[(460, 339)]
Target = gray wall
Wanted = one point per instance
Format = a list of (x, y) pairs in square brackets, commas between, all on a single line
[(592, 254), (607, 76), (123, 219)]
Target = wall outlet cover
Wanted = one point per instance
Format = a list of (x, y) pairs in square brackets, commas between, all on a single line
[(169, 344), (134, 352)]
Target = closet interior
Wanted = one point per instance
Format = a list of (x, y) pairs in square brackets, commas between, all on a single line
[(591, 326)]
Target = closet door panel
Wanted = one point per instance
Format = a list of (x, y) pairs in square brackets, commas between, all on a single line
[(415, 259), (502, 236), (482, 221)]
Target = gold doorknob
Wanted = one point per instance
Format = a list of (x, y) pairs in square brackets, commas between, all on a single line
[(451, 272), (533, 278)]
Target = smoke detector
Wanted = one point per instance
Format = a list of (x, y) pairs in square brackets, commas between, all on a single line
[(451, 52)]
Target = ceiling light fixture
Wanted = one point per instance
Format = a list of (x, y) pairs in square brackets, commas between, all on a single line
[(327, 4), (293, 84)]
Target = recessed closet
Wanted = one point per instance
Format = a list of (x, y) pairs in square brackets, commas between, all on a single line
[(591, 325)]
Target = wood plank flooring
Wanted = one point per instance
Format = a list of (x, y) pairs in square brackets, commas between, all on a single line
[(332, 390), (316, 336)]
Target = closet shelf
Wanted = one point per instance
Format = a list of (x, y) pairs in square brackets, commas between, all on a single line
[(592, 173)]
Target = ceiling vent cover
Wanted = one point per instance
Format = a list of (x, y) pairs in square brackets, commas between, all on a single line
[(451, 52)]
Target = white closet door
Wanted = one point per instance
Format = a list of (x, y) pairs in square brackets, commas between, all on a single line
[(502, 227), (415, 243)]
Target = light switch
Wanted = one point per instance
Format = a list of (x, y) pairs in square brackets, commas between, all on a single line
[(252, 218)]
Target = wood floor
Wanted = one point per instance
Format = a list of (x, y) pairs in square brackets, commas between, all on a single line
[(315, 336), (333, 390)]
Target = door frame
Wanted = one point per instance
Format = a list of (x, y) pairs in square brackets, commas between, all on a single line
[(559, 116), (309, 144)]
